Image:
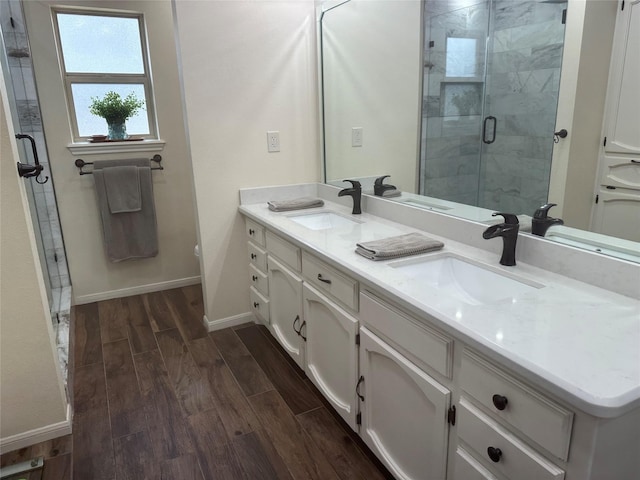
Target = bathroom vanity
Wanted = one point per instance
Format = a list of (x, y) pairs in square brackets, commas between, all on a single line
[(447, 364)]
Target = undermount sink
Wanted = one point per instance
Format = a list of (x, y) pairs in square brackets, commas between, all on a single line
[(469, 282), (322, 220)]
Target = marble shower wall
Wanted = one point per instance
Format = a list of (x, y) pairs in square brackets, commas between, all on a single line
[(522, 93), (43, 196), (520, 89)]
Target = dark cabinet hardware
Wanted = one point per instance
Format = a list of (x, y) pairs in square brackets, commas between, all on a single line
[(24, 169), (323, 280), (637, 162), (494, 454), (451, 415), (304, 324), (500, 401), (80, 163), (254, 278), (253, 256), (251, 231), (360, 380), (296, 320), (256, 304), (484, 129), (559, 134)]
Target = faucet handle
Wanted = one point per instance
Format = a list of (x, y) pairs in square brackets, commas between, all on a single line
[(354, 183), (380, 180), (509, 218), (543, 211)]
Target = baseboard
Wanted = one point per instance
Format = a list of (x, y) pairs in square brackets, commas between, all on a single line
[(140, 289), (42, 434), (212, 325)]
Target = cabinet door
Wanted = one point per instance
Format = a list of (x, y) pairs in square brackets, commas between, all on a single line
[(285, 298), (404, 412), (617, 213), (623, 102), (332, 356)]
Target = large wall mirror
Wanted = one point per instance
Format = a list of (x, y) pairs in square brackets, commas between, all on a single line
[(459, 102)]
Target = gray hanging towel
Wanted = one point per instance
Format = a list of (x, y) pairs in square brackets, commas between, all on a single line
[(122, 185), (128, 234)]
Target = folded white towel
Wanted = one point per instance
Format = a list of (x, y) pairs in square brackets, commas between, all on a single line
[(294, 204), (400, 246)]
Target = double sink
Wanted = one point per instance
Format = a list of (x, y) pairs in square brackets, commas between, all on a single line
[(471, 282)]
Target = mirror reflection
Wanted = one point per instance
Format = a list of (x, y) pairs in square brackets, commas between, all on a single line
[(458, 101)]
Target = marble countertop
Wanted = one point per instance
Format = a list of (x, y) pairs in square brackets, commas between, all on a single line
[(580, 342)]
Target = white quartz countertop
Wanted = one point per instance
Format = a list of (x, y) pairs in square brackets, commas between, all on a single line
[(580, 342)]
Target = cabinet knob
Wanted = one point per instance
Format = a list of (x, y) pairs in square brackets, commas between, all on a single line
[(254, 278), (253, 256), (251, 231), (256, 304), (500, 401), (494, 454)]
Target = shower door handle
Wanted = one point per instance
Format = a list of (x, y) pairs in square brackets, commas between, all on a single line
[(484, 129), (26, 170)]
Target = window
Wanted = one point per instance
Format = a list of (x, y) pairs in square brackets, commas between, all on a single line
[(462, 57), (100, 53)]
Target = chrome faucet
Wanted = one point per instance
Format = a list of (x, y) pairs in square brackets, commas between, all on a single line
[(356, 192), (509, 233), (540, 222), (379, 188)]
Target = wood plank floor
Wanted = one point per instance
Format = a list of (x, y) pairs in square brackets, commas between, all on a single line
[(157, 397)]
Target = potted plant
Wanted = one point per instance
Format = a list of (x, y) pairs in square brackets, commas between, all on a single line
[(116, 110)]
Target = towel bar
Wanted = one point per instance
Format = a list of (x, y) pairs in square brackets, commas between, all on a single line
[(81, 163)]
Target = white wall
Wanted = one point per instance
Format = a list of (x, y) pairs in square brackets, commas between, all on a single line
[(248, 67), (32, 395), (372, 68), (92, 275)]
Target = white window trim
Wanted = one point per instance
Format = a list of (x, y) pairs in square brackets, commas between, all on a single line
[(81, 145)]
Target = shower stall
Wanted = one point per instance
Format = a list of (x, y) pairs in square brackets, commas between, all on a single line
[(17, 74), (490, 95)]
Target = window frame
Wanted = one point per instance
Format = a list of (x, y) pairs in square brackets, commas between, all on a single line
[(143, 78)]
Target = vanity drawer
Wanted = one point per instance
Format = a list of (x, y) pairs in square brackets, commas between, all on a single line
[(417, 341), (468, 468), (259, 280), (542, 420), (329, 280), (257, 257), (259, 305), (255, 232), (285, 251), (512, 458)]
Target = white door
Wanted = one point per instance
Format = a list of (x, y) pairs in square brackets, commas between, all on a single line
[(404, 412), (332, 354), (285, 298)]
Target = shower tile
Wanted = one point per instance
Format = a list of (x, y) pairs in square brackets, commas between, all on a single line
[(433, 106), (539, 125), (509, 14), (510, 61), (461, 126), (547, 12), (523, 103), (443, 147), (536, 35), (29, 115), (433, 127), (549, 56)]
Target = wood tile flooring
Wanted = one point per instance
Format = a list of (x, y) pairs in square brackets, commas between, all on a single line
[(157, 397)]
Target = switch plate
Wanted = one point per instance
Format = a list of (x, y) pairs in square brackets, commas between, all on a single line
[(356, 137), (273, 141)]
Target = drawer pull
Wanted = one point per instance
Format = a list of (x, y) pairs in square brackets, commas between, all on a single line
[(253, 256), (500, 401), (494, 454), (251, 231), (304, 323), (256, 304), (297, 319), (254, 278), (323, 280)]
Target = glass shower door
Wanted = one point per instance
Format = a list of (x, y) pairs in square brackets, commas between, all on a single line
[(491, 82)]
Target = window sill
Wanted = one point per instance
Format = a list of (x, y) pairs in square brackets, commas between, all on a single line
[(86, 148)]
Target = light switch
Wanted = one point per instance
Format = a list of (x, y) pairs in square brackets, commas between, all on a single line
[(356, 137)]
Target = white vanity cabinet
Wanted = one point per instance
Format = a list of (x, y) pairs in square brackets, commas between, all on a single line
[(257, 256), (332, 353), (404, 410), (285, 299)]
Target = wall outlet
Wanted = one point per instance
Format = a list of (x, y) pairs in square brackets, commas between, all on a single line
[(273, 141), (356, 137)]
